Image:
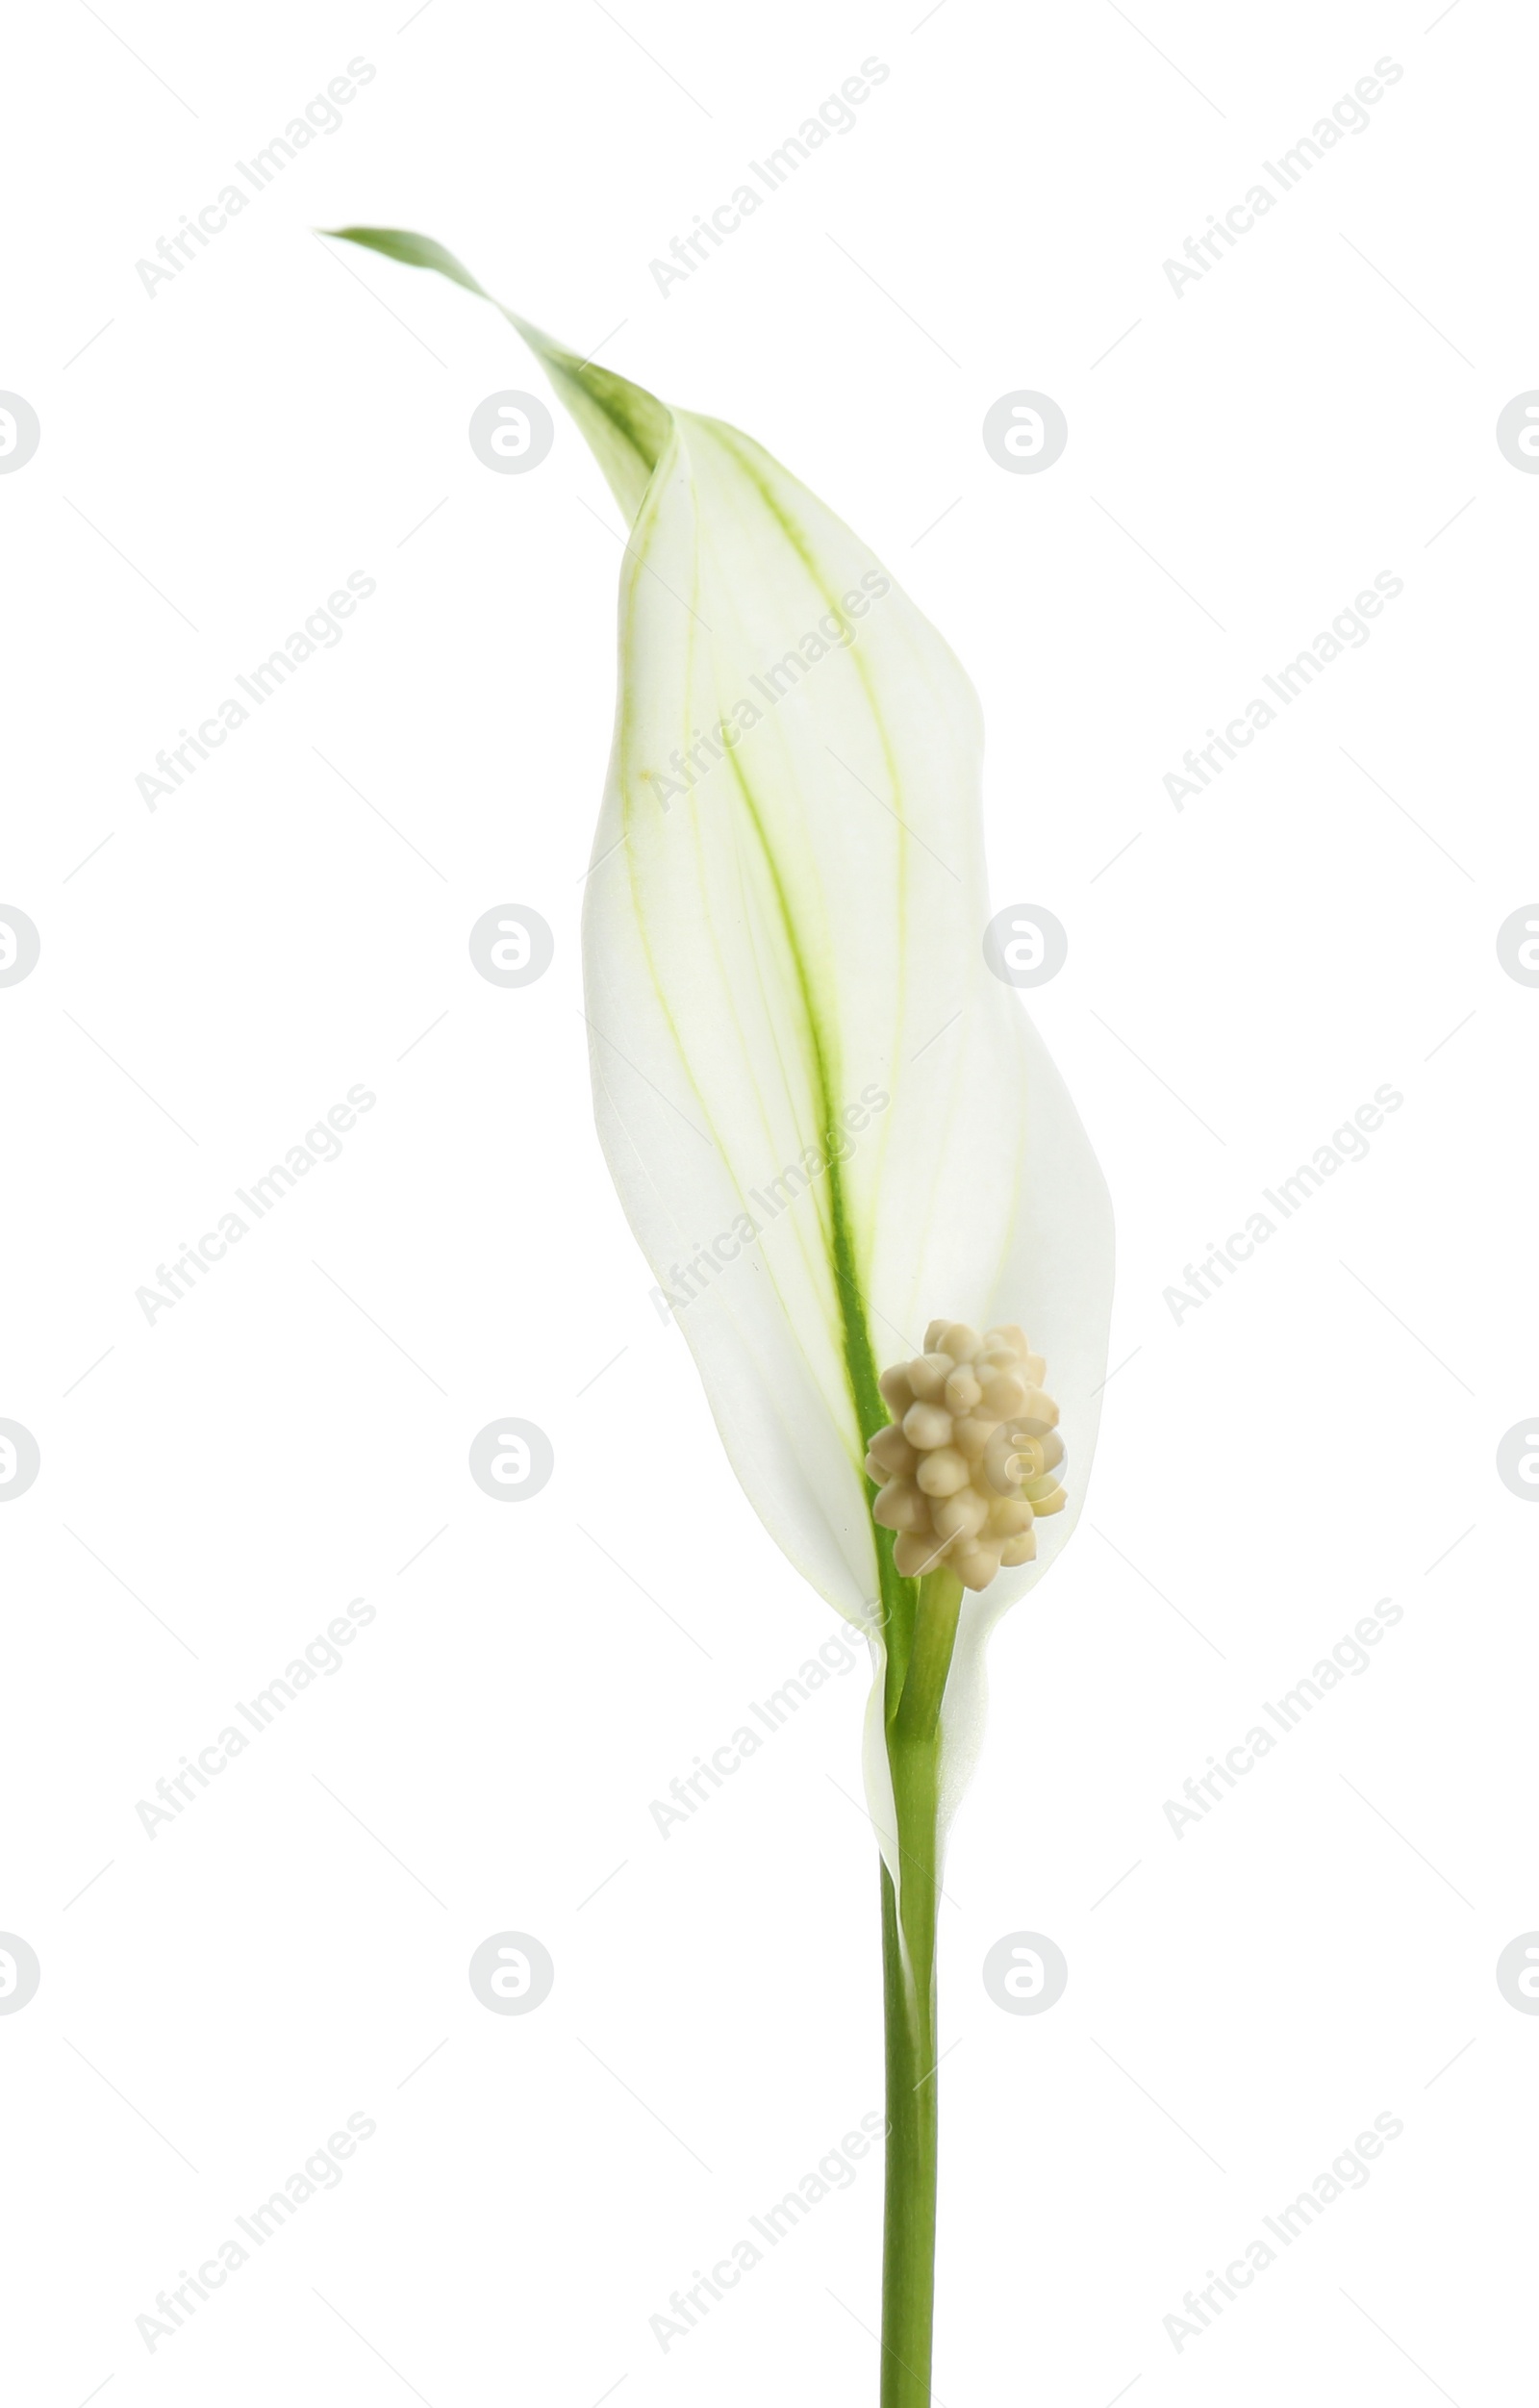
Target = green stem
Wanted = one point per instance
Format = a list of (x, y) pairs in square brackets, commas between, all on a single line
[(908, 1967)]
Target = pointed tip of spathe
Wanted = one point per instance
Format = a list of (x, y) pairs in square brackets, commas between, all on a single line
[(413, 250), (421, 250)]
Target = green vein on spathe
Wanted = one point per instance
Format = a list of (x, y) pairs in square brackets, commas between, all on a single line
[(859, 1353), (812, 1260), (639, 555), (732, 443), (641, 535), (860, 1362)]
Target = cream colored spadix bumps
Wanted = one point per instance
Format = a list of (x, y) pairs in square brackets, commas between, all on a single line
[(826, 1120), (971, 1455)]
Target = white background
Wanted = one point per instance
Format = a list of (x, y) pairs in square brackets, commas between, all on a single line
[(217, 973)]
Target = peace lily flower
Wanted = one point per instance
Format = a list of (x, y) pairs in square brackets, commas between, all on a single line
[(835, 1133)]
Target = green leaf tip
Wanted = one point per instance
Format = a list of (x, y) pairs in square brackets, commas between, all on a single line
[(626, 428)]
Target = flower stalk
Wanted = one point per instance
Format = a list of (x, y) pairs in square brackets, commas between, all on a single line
[(909, 1913), (969, 1461)]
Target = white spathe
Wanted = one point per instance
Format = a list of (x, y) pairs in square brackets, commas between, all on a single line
[(783, 961), (795, 934)]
